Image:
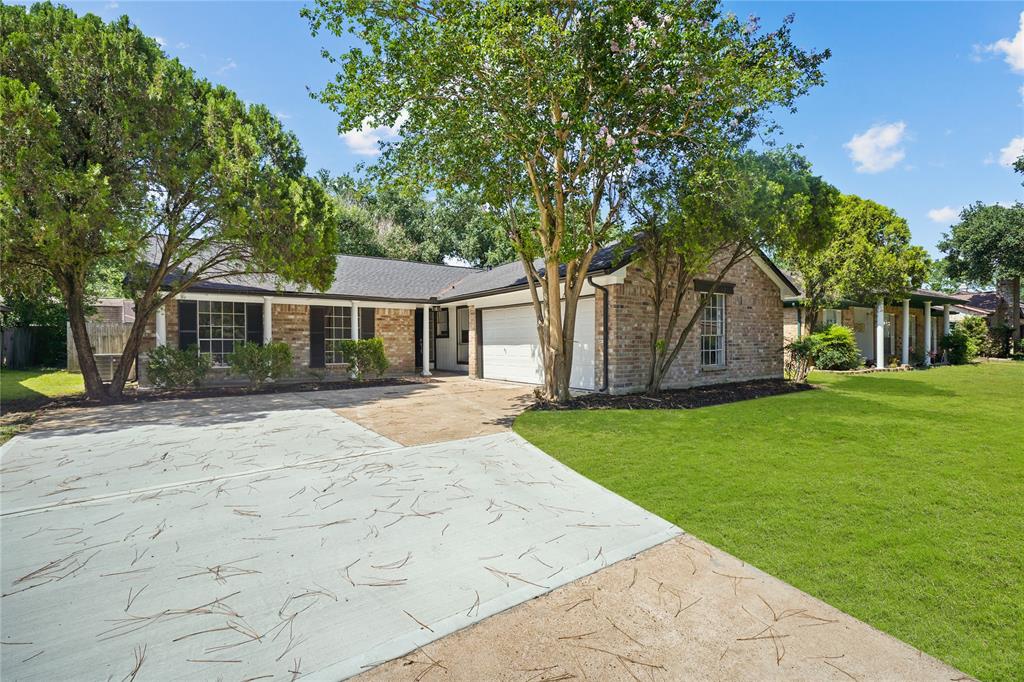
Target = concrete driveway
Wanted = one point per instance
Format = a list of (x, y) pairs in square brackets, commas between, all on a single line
[(269, 536)]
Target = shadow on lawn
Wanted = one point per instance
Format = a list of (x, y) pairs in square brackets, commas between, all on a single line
[(891, 385)]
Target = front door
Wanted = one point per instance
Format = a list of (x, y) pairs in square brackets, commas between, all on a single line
[(863, 328)]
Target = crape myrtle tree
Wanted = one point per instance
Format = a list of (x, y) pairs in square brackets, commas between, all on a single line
[(868, 257), (708, 218), (113, 153), (549, 110)]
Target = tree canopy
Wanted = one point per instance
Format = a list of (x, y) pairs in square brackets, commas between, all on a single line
[(986, 244), (869, 257), (113, 153), (548, 110)]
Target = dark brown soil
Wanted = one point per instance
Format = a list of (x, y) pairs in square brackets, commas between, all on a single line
[(134, 395), (680, 399)]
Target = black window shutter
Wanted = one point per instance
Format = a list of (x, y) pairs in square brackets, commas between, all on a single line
[(188, 324), (366, 319), (254, 323), (316, 335)]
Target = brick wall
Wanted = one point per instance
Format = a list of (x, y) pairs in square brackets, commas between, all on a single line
[(290, 324), (753, 333), (397, 329), (474, 360)]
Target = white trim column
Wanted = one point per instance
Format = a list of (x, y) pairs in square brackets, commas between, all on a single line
[(945, 319), (880, 333), (355, 320), (905, 359), (426, 340), (927, 333), (161, 325), (268, 320)]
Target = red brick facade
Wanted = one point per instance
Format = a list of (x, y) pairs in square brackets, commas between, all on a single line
[(753, 331), (397, 329)]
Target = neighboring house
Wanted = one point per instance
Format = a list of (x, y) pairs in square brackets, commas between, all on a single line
[(885, 332), (481, 322), (992, 305), (113, 310)]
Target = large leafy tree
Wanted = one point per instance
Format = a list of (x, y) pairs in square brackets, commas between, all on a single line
[(706, 219), (986, 245), (547, 111), (869, 257), (113, 153)]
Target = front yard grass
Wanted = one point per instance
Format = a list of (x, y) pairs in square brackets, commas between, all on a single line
[(898, 498), (18, 384)]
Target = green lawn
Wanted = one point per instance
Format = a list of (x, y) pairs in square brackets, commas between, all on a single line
[(17, 384), (898, 498)]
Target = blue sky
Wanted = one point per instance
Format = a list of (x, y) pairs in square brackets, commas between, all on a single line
[(923, 102)]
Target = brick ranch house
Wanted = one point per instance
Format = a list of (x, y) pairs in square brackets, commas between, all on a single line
[(481, 322), (883, 331)]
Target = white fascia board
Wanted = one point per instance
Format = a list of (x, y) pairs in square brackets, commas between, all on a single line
[(509, 298), (784, 289), (285, 299), (616, 277)]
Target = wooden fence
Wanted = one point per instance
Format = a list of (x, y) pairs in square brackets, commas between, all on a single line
[(16, 347), (108, 340)]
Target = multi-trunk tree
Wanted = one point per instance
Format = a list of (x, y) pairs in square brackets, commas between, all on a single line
[(707, 219), (549, 111), (113, 153)]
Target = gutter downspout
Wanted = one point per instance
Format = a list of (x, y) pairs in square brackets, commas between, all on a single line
[(604, 335)]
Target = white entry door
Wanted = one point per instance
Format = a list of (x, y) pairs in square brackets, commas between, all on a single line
[(511, 350), (864, 331)]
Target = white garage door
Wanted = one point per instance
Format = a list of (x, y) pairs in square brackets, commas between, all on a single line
[(511, 350)]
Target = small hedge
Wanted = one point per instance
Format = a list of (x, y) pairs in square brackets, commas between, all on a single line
[(175, 368), (261, 362), (835, 348), (364, 356), (960, 345)]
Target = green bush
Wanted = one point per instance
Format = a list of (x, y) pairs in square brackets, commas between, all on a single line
[(260, 362), (799, 358), (960, 346), (976, 329), (364, 355), (835, 348), (175, 368)]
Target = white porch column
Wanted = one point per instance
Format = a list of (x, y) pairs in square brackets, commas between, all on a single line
[(927, 333), (355, 321), (945, 319), (905, 359), (880, 333), (426, 340), (268, 321), (161, 325)]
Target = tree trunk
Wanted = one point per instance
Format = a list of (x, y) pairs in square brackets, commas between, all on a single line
[(811, 314), (555, 356), (129, 354), (1015, 312), (75, 297)]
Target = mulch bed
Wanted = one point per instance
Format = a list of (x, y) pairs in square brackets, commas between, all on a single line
[(134, 395), (681, 399)]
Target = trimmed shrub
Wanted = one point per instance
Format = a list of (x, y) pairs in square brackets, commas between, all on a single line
[(835, 348), (261, 362), (799, 358), (960, 347), (363, 356), (976, 329), (175, 368)]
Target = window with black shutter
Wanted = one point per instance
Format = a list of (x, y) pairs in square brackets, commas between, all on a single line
[(316, 335), (254, 323), (366, 323), (188, 324)]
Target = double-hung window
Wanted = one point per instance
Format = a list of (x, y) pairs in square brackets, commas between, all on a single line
[(712, 331), (833, 316), (221, 326), (337, 328)]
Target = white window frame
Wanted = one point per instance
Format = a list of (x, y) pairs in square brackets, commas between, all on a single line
[(213, 335), (337, 327), (713, 327), (832, 316)]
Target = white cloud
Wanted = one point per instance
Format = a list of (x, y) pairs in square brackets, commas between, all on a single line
[(945, 215), (112, 5), (160, 40), (281, 116), (181, 45), (1011, 152), (878, 148), (366, 141), (1012, 49), (229, 65)]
